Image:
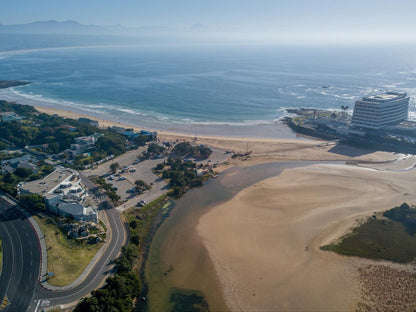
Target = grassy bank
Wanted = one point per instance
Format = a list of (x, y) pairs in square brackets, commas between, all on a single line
[(377, 239), (143, 223), (66, 258)]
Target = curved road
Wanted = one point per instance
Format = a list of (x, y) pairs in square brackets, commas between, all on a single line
[(21, 263), (21, 258)]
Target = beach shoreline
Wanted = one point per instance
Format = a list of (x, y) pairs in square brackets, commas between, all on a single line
[(269, 150), (256, 129)]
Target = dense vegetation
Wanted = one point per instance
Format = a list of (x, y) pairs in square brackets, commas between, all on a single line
[(119, 291), (186, 149), (153, 150), (33, 201), (404, 214), (9, 181), (50, 134), (390, 238), (180, 174)]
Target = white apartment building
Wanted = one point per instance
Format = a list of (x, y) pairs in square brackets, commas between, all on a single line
[(63, 193), (379, 111)]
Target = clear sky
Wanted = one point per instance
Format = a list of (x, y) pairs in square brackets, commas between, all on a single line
[(320, 18)]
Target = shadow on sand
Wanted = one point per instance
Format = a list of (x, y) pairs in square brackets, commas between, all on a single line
[(352, 151)]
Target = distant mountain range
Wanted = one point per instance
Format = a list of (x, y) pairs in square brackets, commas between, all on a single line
[(54, 34), (75, 28)]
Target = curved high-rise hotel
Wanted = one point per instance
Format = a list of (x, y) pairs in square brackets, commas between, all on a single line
[(378, 111)]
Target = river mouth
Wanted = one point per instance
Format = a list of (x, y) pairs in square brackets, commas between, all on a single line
[(179, 272)]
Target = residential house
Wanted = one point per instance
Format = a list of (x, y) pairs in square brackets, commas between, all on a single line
[(9, 116), (89, 122)]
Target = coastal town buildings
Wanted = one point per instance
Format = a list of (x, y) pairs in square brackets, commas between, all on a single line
[(379, 111), (25, 161), (64, 194)]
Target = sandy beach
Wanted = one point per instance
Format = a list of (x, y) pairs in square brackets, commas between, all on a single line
[(261, 150), (264, 243)]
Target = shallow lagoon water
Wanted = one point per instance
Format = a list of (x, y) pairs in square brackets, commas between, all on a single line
[(179, 270)]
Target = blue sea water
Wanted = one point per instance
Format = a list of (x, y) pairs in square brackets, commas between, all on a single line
[(188, 87)]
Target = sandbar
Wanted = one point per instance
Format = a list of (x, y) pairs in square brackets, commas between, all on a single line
[(264, 242)]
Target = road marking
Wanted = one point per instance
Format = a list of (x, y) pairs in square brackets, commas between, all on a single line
[(4, 303), (37, 305)]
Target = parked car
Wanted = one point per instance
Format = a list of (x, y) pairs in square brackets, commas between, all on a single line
[(141, 203)]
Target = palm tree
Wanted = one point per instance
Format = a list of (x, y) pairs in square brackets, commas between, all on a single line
[(344, 108)]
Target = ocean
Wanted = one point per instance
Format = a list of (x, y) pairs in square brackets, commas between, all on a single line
[(230, 90)]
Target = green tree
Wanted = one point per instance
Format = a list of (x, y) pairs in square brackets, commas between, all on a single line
[(114, 167), (111, 144), (141, 186), (23, 172), (9, 178), (33, 201)]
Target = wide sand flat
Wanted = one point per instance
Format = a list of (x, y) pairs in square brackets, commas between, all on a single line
[(264, 243)]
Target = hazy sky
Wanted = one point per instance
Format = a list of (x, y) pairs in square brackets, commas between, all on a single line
[(365, 18)]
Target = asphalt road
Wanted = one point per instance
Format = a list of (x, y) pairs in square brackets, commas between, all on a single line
[(21, 259), (21, 263), (94, 278)]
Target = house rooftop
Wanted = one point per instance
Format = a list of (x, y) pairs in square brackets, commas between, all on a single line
[(46, 184)]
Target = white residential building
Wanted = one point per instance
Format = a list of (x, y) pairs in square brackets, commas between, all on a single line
[(84, 144), (64, 194)]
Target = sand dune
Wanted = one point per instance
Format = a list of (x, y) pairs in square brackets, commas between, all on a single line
[(264, 243)]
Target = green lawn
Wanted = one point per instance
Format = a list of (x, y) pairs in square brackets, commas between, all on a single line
[(377, 239), (66, 258)]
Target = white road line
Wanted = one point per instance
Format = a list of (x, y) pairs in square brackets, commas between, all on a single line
[(37, 305)]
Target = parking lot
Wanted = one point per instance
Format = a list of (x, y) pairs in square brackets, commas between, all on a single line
[(124, 181)]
